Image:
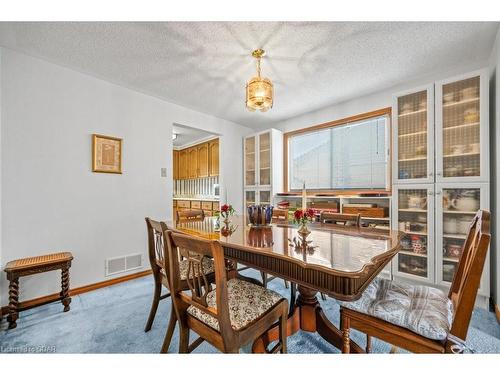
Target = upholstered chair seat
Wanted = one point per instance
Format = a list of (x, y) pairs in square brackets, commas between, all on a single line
[(421, 309), (247, 303)]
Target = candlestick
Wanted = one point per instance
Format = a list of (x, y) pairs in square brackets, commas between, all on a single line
[(304, 197)]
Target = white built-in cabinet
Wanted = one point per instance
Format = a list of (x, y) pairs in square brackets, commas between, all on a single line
[(263, 171), (440, 175)]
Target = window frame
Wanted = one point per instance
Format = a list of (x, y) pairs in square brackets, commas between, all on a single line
[(331, 124)]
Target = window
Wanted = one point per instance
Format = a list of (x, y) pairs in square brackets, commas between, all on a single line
[(347, 155)]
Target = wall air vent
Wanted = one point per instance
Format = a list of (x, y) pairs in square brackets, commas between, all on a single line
[(122, 264)]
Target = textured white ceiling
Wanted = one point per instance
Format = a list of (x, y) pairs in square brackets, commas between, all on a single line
[(204, 65)]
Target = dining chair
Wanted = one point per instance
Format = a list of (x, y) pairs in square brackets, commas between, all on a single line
[(342, 219), (229, 316), (419, 318), (185, 215), (159, 265)]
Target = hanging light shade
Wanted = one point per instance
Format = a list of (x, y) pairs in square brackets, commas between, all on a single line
[(259, 90)]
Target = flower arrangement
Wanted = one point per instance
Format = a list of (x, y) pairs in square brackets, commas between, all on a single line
[(226, 211), (302, 217)]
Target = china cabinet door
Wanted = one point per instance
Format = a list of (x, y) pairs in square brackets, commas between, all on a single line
[(413, 214), (193, 162), (413, 136), (456, 205), (462, 148), (264, 159), (251, 197), (250, 161), (265, 197)]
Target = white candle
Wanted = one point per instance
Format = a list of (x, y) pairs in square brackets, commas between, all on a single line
[(304, 197)]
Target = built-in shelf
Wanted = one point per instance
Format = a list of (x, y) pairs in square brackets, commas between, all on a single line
[(417, 233), (448, 259), (459, 212), (461, 126), (411, 253), (414, 159), (460, 155), (413, 134), (376, 218), (457, 236), (412, 113), (412, 210), (462, 102)]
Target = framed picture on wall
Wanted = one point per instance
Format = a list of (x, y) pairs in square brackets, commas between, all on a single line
[(106, 154)]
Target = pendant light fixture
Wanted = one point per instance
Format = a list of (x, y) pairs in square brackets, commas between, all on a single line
[(259, 90)]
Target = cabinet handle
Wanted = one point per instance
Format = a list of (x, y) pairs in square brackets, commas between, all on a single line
[(438, 192), (439, 174), (431, 174), (430, 193)]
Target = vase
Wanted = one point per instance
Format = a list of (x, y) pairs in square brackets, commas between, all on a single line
[(303, 230)]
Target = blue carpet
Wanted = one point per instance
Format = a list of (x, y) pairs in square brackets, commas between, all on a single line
[(112, 319)]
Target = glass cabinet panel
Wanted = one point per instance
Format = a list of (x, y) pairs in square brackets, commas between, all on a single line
[(413, 219), (250, 161), (412, 136), (265, 159), (250, 197), (265, 197), (461, 128), (458, 209)]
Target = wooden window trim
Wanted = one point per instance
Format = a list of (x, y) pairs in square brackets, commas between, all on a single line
[(363, 116)]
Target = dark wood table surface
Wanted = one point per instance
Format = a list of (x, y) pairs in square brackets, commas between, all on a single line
[(339, 262)]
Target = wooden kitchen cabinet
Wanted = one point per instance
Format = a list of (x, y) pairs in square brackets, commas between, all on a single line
[(203, 160), (213, 151), (176, 165), (183, 164), (192, 162), (198, 161)]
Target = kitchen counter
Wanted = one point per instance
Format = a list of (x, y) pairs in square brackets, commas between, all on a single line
[(205, 199)]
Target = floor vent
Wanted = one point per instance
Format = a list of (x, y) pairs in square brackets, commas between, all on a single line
[(123, 264)]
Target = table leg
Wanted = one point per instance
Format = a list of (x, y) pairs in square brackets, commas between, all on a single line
[(307, 316), (13, 302), (65, 298)]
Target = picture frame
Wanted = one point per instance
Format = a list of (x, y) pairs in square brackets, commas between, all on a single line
[(106, 154)]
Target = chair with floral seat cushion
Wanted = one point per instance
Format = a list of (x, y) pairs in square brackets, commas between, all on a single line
[(229, 316), (420, 318), (159, 265)]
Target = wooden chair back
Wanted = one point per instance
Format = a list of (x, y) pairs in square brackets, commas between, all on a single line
[(186, 215), (156, 248), (343, 219), (279, 214), (467, 278), (195, 250)]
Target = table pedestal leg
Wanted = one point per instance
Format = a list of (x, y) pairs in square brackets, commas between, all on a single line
[(307, 316), (65, 298), (13, 302)]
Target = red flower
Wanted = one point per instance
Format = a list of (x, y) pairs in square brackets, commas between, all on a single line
[(225, 208), (310, 213), (298, 214)]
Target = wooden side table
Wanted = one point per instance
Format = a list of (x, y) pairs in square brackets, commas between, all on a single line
[(30, 266)]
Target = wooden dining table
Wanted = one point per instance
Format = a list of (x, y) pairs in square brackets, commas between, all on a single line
[(335, 260)]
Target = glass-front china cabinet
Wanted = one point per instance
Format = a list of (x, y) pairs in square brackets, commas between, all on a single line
[(440, 175), (263, 171)]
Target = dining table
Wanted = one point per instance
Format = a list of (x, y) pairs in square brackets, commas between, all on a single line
[(338, 261)]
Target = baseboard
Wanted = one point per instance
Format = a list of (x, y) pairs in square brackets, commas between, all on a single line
[(73, 292), (497, 312)]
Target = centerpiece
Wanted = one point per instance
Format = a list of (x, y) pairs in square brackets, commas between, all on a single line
[(226, 211), (302, 217)]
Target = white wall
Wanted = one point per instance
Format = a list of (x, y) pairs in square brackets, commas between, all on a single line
[(51, 201)]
